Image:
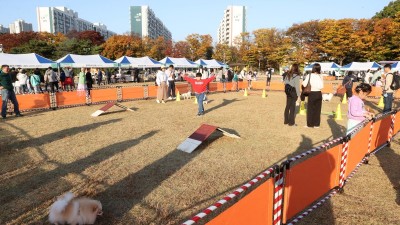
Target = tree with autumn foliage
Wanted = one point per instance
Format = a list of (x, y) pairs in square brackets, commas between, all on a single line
[(122, 45)]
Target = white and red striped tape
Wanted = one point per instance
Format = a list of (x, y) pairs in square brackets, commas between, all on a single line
[(229, 197), (297, 157), (391, 128), (370, 136), (343, 164), (278, 198)]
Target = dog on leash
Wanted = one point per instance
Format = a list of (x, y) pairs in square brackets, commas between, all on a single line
[(72, 210), (186, 95), (327, 97)]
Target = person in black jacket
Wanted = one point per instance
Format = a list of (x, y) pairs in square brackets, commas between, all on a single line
[(348, 83), (89, 81)]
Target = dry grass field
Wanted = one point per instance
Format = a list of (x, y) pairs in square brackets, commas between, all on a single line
[(129, 161)]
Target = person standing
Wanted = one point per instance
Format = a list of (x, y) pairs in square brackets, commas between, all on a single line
[(269, 76), (7, 92), (171, 82), (35, 81), (82, 87), (378, 73), (199, 86), (161, 81), (89, 80), (292, 90), (315, 97), (387, 91), (368, 77), (348, 83), (99, 78), (22, 78)]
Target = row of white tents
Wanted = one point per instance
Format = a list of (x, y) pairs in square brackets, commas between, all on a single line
[(34, 60)]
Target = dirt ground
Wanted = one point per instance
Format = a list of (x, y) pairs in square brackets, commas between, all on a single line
[(129, 161)]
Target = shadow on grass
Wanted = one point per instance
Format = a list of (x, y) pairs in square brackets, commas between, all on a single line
[(389, 161), (373, 106), (18, 189), (123, 196), (336, 129), (224, 103), (48, 138)]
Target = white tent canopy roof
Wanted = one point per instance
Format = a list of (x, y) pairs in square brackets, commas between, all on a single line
[(30, 60), (325, 66), (396, 66), (142, 62), (91, 61), (361, 66), (212, 63), (178, 62)]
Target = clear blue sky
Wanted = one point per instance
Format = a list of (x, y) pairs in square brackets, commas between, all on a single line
[(202, 16)]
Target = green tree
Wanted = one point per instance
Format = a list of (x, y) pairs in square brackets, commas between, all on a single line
[(388, 11), (40, 47)]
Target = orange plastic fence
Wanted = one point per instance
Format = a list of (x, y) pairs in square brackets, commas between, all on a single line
[(153, 91), (381, 132), (70, 98), (132, 93), (182, 88), (358, 147), (310, 180), (397, 123), (36, 101), (102, 95), (255, 208)]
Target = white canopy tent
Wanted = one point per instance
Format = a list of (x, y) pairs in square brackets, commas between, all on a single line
[(212, 63), (91, 61), (30, 60), (396, 66), (142, 62), (325, 66), (178, 62), (361, 66)]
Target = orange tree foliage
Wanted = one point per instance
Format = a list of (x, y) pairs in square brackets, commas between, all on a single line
[(122, 45)]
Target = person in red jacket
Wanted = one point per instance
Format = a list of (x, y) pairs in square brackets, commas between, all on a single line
[(200, 87)]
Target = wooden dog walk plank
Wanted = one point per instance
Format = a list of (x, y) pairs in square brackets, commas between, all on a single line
[(107, 107), (200, 135)]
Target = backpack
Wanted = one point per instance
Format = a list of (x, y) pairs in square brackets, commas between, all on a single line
[(395, 82)]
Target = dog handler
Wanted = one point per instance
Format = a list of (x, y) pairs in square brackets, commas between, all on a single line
[(199, 86)]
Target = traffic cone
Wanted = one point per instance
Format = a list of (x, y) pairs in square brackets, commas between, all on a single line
[(178, 97), (302, 108), (338, 113), (245, 92), (380, 104), (344, 100), (263, 94)]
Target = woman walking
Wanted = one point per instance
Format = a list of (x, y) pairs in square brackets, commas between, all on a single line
[(292, 90), (315, 97)]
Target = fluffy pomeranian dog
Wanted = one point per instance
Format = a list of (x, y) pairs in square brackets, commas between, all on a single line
[(186, 95), (71, 210), (327, 97)]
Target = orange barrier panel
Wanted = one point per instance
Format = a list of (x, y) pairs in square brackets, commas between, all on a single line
[(258, 85), (397, 123), (358, 147), (229, 86), (277, 86), (242, 84), (380, 132), (397, 94), (153, 91), (34, 101), (213, 86), (376, 92), (102, 95), (255, 208), (132, 92), (70, 98), (328, 88), (329, 78), (182, 88), (310, 180)]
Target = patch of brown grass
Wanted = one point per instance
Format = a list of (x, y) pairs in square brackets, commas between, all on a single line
[(128, 160)]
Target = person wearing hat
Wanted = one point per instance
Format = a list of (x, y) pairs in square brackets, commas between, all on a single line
[(161, 81), (199, 86), (7, 92)]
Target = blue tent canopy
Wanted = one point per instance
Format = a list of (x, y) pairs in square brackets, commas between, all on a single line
[(361, 66), (30, 60), (86, 61), (142, 62), (325, 66), (178, 62)]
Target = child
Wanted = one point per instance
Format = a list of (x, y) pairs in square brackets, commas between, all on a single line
[(356, 112), (199, 87), (378, 82)]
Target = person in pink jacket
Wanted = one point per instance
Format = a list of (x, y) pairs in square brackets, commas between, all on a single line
[(356, 112)]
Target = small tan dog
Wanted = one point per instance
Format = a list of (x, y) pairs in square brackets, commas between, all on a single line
[(71, 210)]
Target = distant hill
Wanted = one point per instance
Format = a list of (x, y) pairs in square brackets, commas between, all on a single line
[(388, 11)]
